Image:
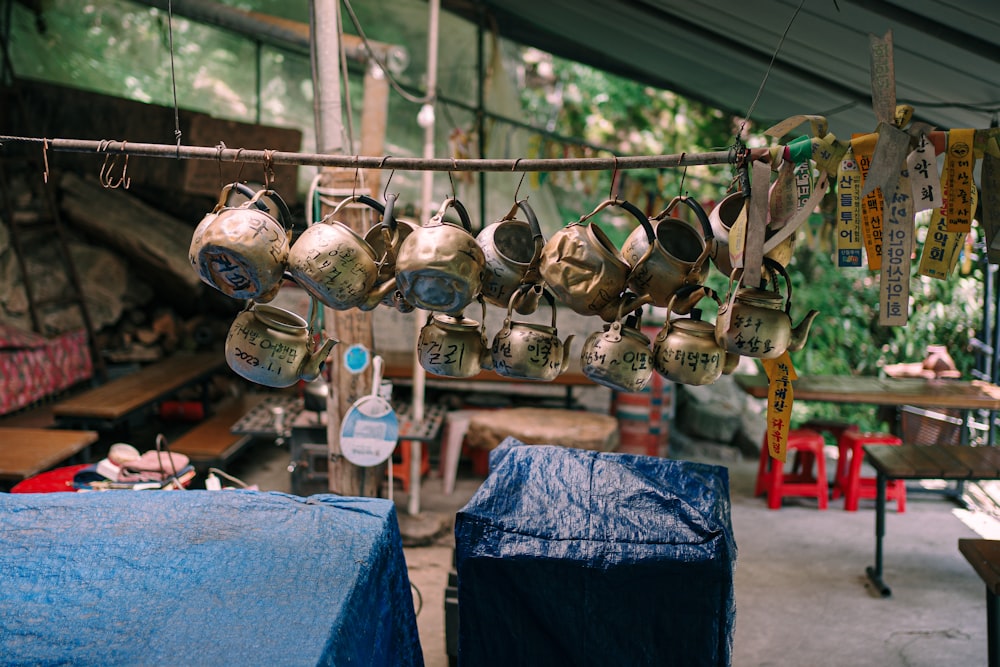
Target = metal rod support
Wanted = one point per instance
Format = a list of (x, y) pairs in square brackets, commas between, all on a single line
[(258, 156)]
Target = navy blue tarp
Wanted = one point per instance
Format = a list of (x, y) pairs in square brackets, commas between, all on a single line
[(203, 578), (574, 557)]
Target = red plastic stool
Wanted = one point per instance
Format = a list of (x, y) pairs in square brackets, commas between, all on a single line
[(401, 470), (849, 481), (807, 447), (835, 428)]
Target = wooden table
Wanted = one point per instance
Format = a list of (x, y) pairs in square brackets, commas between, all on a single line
[(984, 556), (25, 452), (111, 403), (919, 392), (948, 462), (909, 461)]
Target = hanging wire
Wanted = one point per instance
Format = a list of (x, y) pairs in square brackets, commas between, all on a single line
[(427, 98), (767, 72), (173, 76), (344, 84)]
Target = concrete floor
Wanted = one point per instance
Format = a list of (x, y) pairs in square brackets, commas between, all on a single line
[(801, 592)]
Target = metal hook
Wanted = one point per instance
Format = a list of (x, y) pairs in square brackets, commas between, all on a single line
[(684, 173), (614, 178), (357, 175), (517, 192), (105, 176), (392, 173), (125, 180), (45, 159), (451, 180), (236, 158), (221, 146), (268, 168)]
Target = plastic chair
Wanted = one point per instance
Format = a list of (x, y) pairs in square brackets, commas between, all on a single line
[(807, 447), (849, 481)]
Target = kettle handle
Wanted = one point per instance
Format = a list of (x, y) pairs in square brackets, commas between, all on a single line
[(536, 233), (699, 212), (775, 266), (628, 206), (284, 215), (361, 199), (241, 188), (463, 214), (686, 291), (527, 287)]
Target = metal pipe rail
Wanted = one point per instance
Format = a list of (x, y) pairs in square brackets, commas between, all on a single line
[(223, 153)]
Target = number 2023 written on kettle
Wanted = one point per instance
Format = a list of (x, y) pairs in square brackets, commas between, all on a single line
[(369, 431)]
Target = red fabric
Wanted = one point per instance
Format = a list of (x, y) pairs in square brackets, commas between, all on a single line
[(33, 367), (60, 479)]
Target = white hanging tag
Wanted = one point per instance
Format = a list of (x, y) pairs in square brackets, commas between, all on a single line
[(925, 181)]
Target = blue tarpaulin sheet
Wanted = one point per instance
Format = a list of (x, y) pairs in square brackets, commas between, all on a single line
[(574, 557), (203, 578)]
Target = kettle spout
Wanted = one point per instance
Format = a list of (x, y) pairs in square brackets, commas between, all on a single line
[(313, 365), (801, 332), (732, 361), (564, 365), (377, 295)]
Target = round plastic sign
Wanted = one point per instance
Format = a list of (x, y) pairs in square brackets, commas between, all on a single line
[(369, 431), (356, 358)]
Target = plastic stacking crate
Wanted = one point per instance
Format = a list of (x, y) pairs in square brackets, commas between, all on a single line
[(575, 557)]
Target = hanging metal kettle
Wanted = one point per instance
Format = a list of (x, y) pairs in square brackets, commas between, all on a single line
[(755, 322), (242, 250), (453, 345), (619, 357), (384, 241), (331, 261), (273, 347), (439, 266), (583, 268), (685, 349), (530, 351), (512, 249), (679, 254)]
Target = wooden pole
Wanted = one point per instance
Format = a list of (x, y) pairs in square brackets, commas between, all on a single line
[(350, 363)]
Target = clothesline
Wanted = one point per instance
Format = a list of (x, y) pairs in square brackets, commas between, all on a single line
[(389, 162)]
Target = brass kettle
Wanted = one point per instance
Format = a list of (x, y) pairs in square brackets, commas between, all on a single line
[(439, 266), (585, 271), (755, 322), (512, 249), (619, 356), (529, 351), (242, 250), (453, 345), (273, 347), (335, 265), (678, 255), (685, 349)]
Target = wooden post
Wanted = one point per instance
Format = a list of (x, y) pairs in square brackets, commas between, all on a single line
[(353, 328)]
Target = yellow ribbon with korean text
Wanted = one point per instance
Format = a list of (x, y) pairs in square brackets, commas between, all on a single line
[(780, 374)]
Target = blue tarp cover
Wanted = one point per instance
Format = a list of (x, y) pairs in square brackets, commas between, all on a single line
[(203, 578), (574, 557)]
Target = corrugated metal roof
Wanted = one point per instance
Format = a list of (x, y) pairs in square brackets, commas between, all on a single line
[(947, 60)]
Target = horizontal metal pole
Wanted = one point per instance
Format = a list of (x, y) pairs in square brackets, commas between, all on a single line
[(225, 154)]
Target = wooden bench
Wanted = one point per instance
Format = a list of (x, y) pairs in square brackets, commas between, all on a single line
[(212, 442), (984, 556), (907, 461), (110, 405), (25, 452)]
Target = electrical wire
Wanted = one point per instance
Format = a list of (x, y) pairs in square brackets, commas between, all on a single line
[(234, 480), (430, 97)]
